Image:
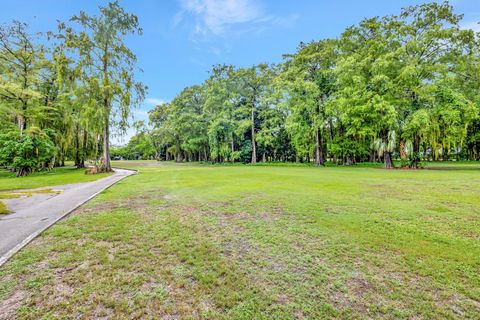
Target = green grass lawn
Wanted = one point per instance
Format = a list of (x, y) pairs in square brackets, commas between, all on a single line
[(55, 177), (259, 242)]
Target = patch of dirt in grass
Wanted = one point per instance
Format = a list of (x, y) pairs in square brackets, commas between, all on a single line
[(102, 313), (98, 207), (360, 286), (7, 194), (9, 306)]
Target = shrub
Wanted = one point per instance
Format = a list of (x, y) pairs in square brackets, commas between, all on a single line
[(26, 153)]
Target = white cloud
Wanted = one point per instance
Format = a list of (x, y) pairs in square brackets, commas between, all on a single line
[(140, 114), (473, 25), (154, 101), (215, 16), (218, 17)]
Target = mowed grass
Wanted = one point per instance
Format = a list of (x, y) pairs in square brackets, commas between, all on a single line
[(243, 242), (54, 177)]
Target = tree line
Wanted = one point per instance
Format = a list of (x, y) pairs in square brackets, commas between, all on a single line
[(60, 92), (401, 87)]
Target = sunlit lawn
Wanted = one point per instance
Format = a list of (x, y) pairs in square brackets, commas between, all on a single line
[(246, 242), (57, 176)]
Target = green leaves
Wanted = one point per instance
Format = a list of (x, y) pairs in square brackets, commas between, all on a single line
[(26, 153)]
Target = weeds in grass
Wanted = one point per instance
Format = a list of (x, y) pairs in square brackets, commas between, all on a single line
[(3, 208), (259, 242), (27, 193)]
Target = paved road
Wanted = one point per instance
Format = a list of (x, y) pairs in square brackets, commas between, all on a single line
[(33, 215)]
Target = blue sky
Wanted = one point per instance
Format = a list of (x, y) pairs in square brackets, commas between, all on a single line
[(183, 38)]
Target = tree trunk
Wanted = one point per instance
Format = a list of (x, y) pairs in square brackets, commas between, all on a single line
[(178, 154), (22, 121), (403, 153), (22, 124), (233, 149), (23, 172), (79, 163), (84, 148), (106, 166), (77, 151), (416, 153), (254, 147), (387, 160), (319, 158), (264, 157)]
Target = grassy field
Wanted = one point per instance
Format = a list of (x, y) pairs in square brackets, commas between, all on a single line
[(55, 177), (243, 242)]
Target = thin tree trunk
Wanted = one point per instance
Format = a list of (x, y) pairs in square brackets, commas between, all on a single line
[(107, 167), (254, 147), (77, 147), (22, 122), (416, 153), (233, 149), (84, 147), (319, 158)]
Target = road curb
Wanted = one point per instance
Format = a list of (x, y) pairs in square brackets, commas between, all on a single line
[(21, 245)]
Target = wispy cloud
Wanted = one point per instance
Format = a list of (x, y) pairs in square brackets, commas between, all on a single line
[(215, 16), (220, 17), (473, 25), (154, 101)]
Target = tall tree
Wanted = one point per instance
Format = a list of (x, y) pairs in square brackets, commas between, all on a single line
[(367, 96), (431, 45), (108, 65), (310, 83), (23, 60), (223, 113), (253, 85)]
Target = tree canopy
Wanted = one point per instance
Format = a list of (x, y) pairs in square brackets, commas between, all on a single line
[(401, 86), (60, 92)]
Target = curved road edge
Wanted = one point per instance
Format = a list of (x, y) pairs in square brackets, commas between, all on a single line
[(39, 226)]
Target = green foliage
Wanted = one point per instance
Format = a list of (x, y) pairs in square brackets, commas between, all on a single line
[(106, 66), (27, 152), (403, 86), (71, 84), (140, 146)]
